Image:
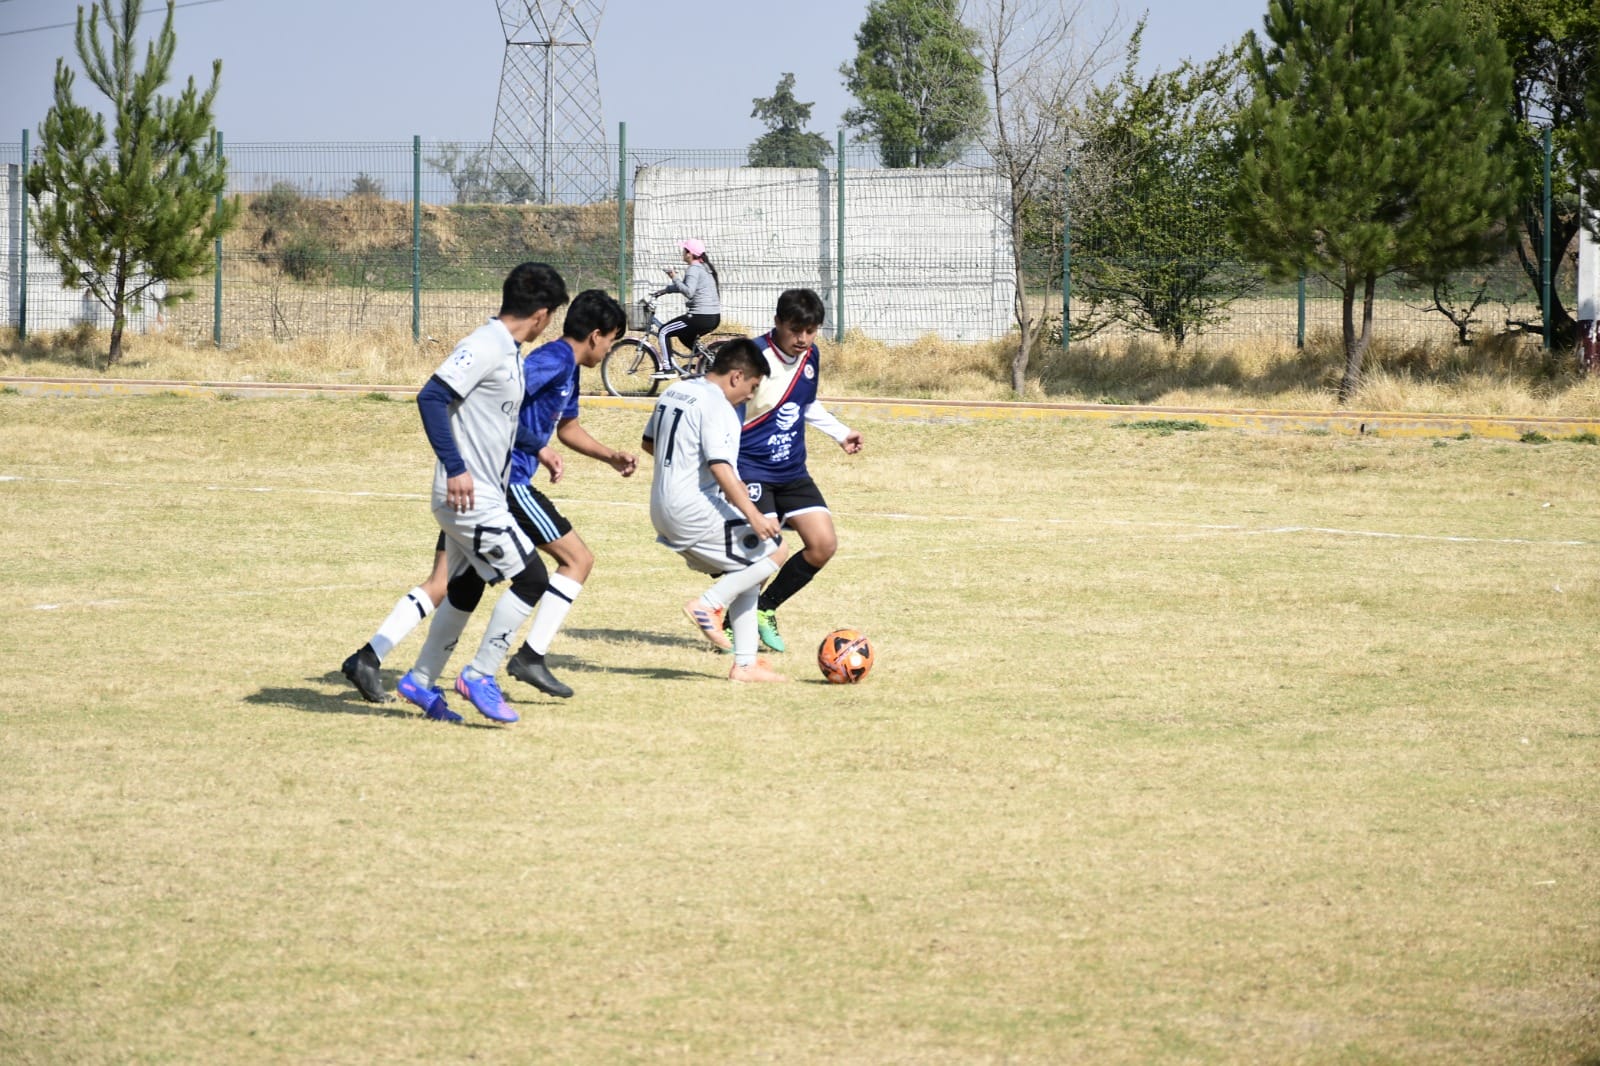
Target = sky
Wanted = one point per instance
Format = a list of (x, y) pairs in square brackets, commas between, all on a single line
[(679, 74)]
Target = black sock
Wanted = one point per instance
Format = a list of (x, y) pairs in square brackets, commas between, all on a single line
[(795, 575)]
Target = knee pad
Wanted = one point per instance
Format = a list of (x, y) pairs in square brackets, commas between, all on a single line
[(465, 590), (530, 584)]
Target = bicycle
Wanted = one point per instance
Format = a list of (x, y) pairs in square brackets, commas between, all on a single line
[(629, 368)]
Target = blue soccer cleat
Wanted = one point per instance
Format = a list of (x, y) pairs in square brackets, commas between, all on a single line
[(484, 692), (431, 700)]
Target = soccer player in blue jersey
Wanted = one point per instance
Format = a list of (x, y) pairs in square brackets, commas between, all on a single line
[(772, 450), (550, 405)]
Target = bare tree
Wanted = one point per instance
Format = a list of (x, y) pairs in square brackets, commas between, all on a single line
[(1040, 59)]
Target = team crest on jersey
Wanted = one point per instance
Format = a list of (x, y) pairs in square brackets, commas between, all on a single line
[(810, 371), (755, 491), (788, 414)]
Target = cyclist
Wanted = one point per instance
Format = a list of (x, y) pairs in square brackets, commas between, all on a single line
[(704, 311)]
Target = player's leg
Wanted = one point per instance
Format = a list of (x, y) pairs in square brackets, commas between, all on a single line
[(746, 666), (554, 536), (502, 544), (463, 590), (738, 576), (803, 510), (362, 666)]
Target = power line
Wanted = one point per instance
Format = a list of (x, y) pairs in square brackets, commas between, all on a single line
[(73, 25)]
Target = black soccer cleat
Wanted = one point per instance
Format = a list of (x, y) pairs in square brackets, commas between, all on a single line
[(528, 666), (362, 670)]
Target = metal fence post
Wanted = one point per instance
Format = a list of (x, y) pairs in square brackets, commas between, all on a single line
[(1066, 260), (1544, 257), (838, 303), (216, 292), (622, 213), (1300, 311), (416, 238), (22, 203)]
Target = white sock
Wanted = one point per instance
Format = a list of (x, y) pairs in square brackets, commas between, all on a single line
[(553, 608), (742, 615), (731, 585), (443, 633), (412, 608), (510, 611)]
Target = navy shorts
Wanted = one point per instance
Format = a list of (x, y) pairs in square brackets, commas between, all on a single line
[(787, 498), (536, 515)]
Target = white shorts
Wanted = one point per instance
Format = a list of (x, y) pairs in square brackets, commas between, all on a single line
[(722, 543), (487, 538)]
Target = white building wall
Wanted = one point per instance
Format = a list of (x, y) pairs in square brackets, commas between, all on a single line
[(51, 305), (926, 251)]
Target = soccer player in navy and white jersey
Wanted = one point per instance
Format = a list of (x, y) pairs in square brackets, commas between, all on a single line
[(772, 449), (550, 405), (702, 510), (469, 411)]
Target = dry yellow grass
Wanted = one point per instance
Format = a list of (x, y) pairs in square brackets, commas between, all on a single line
[(1496, 376), (1196, 748)]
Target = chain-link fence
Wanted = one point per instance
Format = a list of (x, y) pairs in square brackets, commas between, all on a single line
[(416, 237)]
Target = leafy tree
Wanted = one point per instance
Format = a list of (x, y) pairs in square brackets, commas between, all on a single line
[(918, 81), (1368, 148), (786, 143), (1552, 46), (1160, 258), (468, 171), (140, 214)]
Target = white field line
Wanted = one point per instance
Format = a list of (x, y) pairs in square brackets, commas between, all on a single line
[(1177, 530)]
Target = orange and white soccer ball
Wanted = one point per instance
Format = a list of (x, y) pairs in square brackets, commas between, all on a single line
[(845, 656)]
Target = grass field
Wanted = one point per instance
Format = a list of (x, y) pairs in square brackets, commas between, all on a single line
[(1181, 746)]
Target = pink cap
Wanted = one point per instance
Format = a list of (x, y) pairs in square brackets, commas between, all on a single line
[(693, 247)]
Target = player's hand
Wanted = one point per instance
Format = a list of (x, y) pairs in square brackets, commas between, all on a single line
[(551, 460), (851, 443), (767, 526), (670, 272), (624, 464), (458, 493)]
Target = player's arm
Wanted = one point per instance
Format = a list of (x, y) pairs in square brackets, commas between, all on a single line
[(765, 525), (571, 432), (825, 420), (433, 403)]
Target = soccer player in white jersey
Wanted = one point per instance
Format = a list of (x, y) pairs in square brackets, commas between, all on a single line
[(702, 511), (469, 412)]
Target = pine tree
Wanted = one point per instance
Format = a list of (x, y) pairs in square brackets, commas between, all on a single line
[(787, 143), (140, 213), (1369, 148)]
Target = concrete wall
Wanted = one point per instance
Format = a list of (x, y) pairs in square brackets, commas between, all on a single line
[(51, 305), (925, 250)]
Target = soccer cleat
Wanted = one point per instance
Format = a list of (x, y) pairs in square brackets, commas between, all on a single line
[(362, 670), (484, 694), (709, 621), (760, 670), (528, 665), (431, 700), (727, 631), (767, 626)]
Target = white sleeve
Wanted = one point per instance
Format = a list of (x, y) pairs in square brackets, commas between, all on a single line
[(821, 418)]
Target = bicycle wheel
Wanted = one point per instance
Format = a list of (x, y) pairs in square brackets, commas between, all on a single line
[(628, 369)]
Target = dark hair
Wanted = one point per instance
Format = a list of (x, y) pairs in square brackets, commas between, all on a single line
[(715, 280), (531, 288), (594, 309), (800, 307), (741, 353)]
